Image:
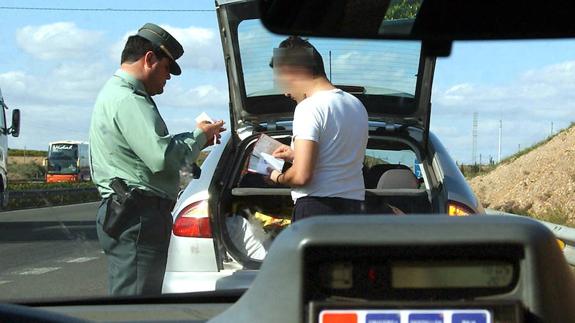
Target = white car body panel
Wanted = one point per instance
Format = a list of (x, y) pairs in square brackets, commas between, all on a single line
[(187, 282), (191, 254)]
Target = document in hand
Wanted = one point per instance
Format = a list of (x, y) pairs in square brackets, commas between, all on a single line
[(261, 159), (204, 117)]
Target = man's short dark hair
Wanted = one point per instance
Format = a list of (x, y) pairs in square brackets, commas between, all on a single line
[(136, 47), (316, 61)]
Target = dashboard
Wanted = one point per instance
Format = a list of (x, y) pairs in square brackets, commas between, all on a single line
[(377, 269)]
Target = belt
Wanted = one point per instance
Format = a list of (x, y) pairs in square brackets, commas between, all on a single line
[(154, 201)]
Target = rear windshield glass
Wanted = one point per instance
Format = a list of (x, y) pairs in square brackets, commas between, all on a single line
[(392, 157), (381, 67)]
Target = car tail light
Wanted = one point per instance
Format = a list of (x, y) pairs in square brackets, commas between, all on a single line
[(458, 209), (193, 221)]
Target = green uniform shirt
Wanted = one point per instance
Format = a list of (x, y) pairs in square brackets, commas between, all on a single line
[(129, 140)]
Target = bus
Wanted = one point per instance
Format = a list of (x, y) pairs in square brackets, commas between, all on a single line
[(68, 161), (14, 131)]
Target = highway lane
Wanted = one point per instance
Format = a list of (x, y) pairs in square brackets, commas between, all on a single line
[(51, 253)]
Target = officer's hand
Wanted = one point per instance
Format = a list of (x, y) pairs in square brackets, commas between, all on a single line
[(212, 131), (284, 152)]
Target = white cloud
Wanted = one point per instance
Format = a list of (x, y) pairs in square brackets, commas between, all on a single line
[(69, 84), (527, 106), (57, 96), (58, 41), (548, 91), (40, 125), (202, 47), (200, 97)]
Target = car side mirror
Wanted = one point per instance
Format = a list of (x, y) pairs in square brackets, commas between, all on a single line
[(15, 128)]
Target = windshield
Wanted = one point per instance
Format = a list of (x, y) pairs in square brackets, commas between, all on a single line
[(502, 140), (380, 67), (63, 159)]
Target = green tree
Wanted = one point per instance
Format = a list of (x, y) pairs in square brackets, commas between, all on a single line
[(402, 9)]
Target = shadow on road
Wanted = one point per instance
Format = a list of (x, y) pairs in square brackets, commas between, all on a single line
[(47, 231)]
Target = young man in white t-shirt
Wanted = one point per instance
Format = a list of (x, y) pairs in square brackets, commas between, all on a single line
[(330, 132)]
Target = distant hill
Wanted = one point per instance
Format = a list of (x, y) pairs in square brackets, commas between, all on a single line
[(538, 181)]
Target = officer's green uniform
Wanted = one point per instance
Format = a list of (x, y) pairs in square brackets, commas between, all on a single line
[(129, 140)]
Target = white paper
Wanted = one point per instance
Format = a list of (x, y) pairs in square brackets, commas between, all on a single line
[(204, 117), (258, 165), (265, 144), (275, 163), (262, 159)]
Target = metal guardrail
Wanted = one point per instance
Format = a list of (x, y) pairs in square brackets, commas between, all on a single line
[(563, 233)]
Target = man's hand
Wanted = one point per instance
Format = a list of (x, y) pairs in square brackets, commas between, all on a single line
[(212, 131), (284, 152), (271, 177)]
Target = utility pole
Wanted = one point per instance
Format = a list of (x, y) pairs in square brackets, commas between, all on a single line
[(551, 129), (474, 144), (499, 146)]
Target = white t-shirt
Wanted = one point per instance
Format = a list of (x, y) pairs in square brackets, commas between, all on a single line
[(338, 122)]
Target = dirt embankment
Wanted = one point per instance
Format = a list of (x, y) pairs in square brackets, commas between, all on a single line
[(540, 183)]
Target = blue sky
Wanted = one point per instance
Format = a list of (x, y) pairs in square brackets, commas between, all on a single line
[(54, 62)]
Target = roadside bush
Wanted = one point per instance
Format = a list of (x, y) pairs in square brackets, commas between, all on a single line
[(25, 172), (47, 186), (46, 199), (556, 214)]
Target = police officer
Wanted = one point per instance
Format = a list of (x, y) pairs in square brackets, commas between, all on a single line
[(131, 148)]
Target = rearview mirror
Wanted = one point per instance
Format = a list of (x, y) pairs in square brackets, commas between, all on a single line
[(15, 128), (432, 20)]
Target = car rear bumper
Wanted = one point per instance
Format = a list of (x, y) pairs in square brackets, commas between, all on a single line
[(186, 282)]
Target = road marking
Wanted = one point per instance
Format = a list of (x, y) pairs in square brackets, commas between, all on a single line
[(80, 260), (38, 271), (2, 282)]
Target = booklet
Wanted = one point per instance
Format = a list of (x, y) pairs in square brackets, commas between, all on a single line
[(261, 159)]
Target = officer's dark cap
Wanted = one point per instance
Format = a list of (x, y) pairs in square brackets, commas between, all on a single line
[(165, 42)]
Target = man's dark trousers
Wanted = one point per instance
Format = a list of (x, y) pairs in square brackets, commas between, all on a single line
[(137, 259)]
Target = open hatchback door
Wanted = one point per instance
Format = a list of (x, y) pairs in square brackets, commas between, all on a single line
[(393, 79)]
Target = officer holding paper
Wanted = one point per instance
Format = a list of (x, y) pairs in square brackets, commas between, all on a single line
[(136, 162)]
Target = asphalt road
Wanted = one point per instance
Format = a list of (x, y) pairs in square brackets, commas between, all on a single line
[(51, 253)]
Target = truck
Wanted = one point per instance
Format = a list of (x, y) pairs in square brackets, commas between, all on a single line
[(68, 161), (5, 131)]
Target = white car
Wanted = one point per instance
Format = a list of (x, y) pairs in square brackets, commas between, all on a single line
[(225, 221)]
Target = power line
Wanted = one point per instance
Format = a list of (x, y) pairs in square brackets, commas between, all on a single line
[(104, 9)]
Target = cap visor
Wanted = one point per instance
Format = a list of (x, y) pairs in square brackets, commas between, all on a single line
[(175, 68)]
